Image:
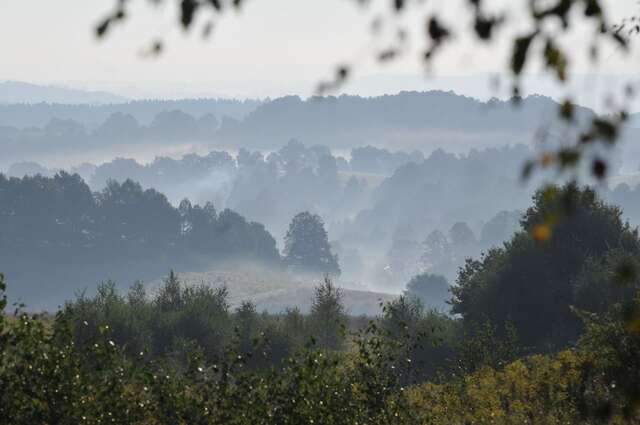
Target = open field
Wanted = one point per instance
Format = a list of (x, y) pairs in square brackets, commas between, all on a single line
[(276, 291)]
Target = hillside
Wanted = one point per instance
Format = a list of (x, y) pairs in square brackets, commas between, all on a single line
[(19, 92), (276, 291)]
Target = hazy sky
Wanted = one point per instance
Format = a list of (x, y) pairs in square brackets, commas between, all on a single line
[(272, 47)]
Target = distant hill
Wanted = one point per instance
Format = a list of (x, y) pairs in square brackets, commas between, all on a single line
[(22, 115), (20, 92), (407, 120)]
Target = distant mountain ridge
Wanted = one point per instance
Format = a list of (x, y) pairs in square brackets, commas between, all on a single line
[(21, 92), (22, 115), (348, 120)]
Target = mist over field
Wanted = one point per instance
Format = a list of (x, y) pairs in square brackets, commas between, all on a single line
[(404, 184)]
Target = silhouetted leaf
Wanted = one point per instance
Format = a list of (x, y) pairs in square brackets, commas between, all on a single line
[(342, 73), (436, 31), (102, 28), (620, 40), (387, 55), (527, 169), (566, 110), (555, 60), (215, 4), (561, 10), (592, 8), (568, 157), (599, 168), (520, 51), (605, 129), (484, 26), (187, 11)]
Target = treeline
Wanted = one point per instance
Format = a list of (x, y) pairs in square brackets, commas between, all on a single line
[(347, 121), (269, 188), (66, 135), (25, 115), (165, 171), (60, 219), (353, 120), (56, 229), (546, 331), (175, 320), (51, 228)]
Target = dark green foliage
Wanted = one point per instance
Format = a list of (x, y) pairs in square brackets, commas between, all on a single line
[(50, 217), (431, 290), (307, 246), (57, 224), (532, 284), (418, 346), (49, 374), (483, 346), (328, 319), (612, 344)]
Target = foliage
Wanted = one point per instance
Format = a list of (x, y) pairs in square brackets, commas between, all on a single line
[(432, 291), (58, 223), (307, 246), (328, 317), (531, 284), (48, 377)]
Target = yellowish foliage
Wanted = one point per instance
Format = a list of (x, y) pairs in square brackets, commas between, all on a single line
[(533, 390)]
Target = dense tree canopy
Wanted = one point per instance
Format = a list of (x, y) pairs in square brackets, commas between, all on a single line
[(59, 215), (533, 284), (432, 291), (58, 223), (307, 246)]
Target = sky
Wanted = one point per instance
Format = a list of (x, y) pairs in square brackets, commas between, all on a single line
[(270, 48)]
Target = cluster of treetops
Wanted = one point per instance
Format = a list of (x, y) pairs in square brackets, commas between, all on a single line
[(59, 219), (291, 156), (545, 329), (344, 119)]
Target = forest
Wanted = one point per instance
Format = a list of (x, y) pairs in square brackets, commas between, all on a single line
[(499, 301), (198, 226), (543, 330)]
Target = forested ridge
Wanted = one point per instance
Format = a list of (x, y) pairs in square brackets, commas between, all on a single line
[(51, 223), (499, 236), (545, 331)]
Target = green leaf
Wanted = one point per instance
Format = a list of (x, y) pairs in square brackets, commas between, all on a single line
[(605, 129), (566, 110), (599, 168), (568, 157), (556, 60)]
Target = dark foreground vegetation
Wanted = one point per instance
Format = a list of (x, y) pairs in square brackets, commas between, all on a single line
[(547, 330)]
